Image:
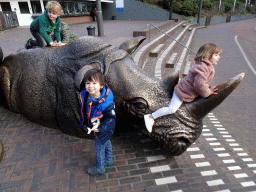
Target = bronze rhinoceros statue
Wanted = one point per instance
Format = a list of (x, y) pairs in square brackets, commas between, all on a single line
[(43, 84)]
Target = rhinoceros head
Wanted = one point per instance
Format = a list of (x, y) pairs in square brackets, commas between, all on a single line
[(44, 85)]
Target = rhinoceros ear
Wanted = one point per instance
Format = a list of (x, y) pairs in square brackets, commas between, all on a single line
[(132, 44), (80, 74), (202, 106), (170, 82)]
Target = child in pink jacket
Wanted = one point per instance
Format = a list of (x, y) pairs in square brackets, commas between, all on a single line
[(196, 83)]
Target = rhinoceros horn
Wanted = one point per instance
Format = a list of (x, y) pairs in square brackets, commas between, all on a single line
[(202, 106)]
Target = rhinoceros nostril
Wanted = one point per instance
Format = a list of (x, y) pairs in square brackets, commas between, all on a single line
[(183, 140)]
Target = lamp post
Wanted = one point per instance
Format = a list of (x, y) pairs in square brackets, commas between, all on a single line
[(234, 5), (99, 18), (219, 6), (245, 5), (199, 12)]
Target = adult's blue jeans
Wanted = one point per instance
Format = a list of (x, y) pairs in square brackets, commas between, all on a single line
[(103, 153)]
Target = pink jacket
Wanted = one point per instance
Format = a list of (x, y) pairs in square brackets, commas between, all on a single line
[(197, 82)]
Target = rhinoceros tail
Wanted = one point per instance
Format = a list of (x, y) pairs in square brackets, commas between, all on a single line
[(1, 55)]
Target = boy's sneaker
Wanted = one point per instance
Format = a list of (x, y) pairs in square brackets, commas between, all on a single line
[(28, 45), (149, 122), (96, 171), (107, 163)]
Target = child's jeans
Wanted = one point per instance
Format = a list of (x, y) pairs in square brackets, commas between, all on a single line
[(174, 105), (39, 39), (103, 153)]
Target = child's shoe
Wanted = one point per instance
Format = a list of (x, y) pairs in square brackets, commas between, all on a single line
[(107, 163), (28, 45), (149, 122), (96, 171)]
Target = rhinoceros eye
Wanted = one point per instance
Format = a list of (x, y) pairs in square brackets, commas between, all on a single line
[(140, 105), (136, 106)]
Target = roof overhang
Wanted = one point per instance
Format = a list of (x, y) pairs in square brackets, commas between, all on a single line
[(103, 1)]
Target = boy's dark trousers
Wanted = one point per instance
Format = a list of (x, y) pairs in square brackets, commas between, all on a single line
[(40, 42)]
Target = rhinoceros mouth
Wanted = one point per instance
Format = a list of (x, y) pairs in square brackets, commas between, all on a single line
[(175, 142), (176, 131)]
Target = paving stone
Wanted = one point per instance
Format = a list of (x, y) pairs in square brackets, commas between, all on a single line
[(149, 164), (152, 176), (117, 175), (179, 185), (121, 188), (128, 167), (130, 180), (137, 160), (139, 172), (143, 185)]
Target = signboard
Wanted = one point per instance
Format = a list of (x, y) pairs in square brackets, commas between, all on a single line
[(119, 5)]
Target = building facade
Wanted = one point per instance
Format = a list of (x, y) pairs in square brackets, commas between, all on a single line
[(79, 11), (27, 10)]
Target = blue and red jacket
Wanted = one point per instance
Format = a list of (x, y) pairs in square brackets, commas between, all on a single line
[(103, 109)]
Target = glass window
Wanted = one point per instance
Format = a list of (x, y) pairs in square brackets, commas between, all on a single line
[(36, 6), (90, 6), (64, 6), (81, 8), (45, 2), (5, 6), (23, 7), (70, 7)]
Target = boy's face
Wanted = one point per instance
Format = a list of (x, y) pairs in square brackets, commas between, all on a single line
[(93, 87), (53, 15)]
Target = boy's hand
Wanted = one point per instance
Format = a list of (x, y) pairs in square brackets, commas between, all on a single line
[(95, 124), (96, 130), (61, 44), (54, 44)]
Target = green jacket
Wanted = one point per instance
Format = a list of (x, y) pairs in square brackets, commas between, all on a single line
[(45, 26)]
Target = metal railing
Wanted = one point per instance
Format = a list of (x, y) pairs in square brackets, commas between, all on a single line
[(168, 36)]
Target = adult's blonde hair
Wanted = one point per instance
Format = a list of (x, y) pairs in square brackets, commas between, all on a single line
[(206, 51), (54, 7)]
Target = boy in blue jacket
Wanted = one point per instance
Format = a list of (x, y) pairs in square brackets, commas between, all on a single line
[(97, 104)]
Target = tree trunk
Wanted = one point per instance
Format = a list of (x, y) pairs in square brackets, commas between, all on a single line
[(170, 9)]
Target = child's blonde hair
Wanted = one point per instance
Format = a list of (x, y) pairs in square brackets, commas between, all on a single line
[(206, 51), (54, 7)]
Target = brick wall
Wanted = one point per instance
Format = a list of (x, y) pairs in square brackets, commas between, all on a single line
[(75, 20)]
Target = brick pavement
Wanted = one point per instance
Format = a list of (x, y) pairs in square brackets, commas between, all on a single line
[(37, 158)]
